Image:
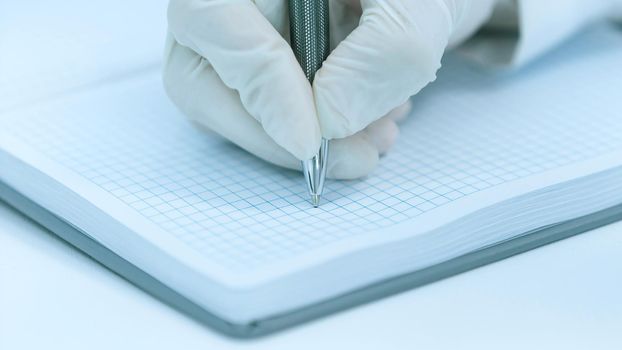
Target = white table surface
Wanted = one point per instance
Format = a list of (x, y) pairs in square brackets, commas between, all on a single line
[(567, 295)]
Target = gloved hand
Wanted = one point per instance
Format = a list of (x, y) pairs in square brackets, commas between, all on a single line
[(228, 66)]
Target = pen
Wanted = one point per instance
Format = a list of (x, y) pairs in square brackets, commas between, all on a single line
[(311, 45)]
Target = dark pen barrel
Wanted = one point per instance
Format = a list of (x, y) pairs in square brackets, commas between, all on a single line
[(309, 29), (309, 34)]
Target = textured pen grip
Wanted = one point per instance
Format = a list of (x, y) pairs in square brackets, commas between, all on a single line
[(309, 33)]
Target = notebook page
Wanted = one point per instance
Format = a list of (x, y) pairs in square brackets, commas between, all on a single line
[(469, 133), (49, 47)]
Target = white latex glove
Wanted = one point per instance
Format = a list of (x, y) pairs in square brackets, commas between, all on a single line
[(229, 67)]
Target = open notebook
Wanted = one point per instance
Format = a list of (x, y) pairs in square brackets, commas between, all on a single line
[(488, 165)]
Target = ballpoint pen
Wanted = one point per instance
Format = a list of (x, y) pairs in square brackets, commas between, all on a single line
[(311, 45)]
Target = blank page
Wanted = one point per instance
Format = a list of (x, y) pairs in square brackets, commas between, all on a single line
[(50, 47)]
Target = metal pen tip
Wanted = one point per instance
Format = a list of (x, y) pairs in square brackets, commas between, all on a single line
[(315, 200), (315, 172)]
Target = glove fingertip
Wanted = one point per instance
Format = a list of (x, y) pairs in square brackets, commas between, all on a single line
[(383, 133), (333, 120), (352, 158), (301, 138), (401, 112)]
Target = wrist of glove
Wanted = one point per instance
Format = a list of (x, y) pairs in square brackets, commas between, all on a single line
[(229, 68)]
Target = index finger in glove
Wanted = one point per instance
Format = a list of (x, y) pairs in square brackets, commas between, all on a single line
[(393, 53)]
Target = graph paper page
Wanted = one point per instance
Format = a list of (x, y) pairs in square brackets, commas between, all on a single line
[(470, 131)]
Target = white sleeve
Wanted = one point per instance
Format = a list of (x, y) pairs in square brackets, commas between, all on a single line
[(521, 30)]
